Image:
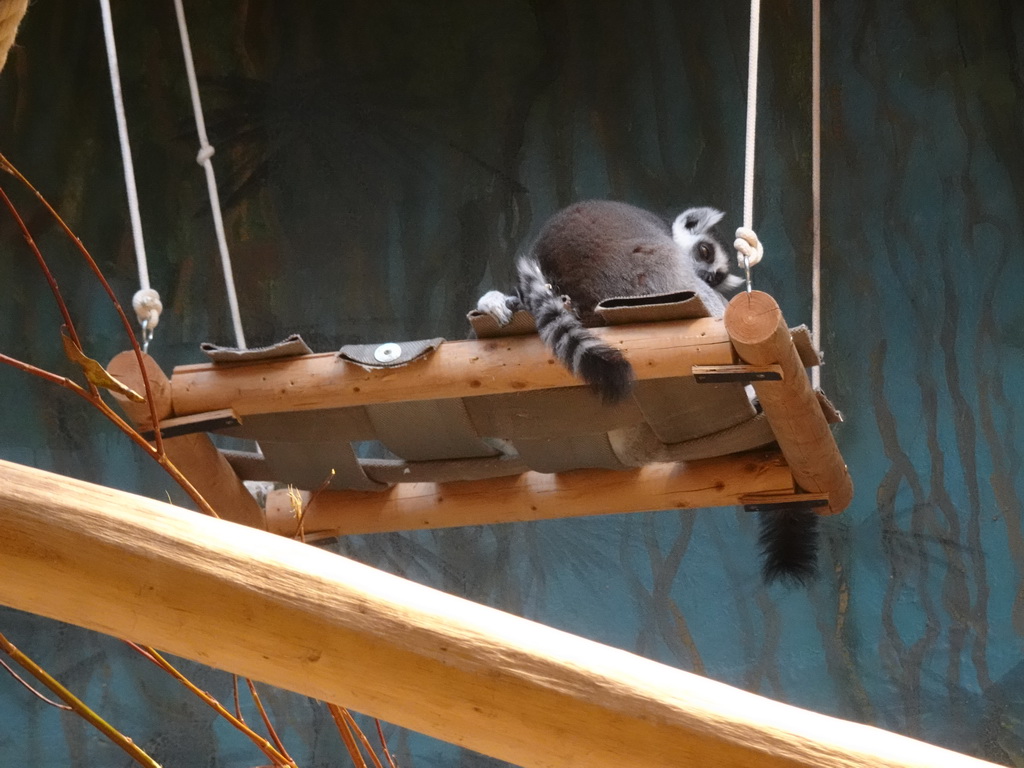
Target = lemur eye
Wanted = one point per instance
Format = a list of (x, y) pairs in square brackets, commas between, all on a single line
[(705, 252)]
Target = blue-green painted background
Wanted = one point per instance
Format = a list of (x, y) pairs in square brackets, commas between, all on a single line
[(382, 163)]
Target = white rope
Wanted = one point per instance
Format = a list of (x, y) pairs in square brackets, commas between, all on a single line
[(816, 184), (146, 301), (748, 166), (203, 158), (749, 253)]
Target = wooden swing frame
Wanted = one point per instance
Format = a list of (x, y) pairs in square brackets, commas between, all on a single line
[(752, 337)]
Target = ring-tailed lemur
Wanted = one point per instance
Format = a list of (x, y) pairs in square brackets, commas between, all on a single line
[(600, 249)]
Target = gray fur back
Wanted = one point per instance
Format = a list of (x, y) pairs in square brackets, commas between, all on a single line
[(601, 249)]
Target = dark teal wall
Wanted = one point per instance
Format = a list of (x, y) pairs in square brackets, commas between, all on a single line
[(382, 163)]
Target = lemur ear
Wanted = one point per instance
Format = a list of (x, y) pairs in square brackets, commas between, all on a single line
[(698, 220)]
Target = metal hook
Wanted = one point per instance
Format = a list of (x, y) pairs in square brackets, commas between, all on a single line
[(147, 336), (746, 269)]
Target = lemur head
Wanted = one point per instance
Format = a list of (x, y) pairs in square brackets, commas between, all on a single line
[(694, 231)]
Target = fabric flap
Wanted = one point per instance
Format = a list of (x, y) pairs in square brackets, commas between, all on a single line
[(486, 327), (809, 356), (639, 446), (390, 354), (293, 346), (832, 414), (682, 305)]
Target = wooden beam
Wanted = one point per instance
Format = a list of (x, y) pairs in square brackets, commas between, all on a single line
[(11, 14), (534, 496), (455, 369), (194, 455), (309, 621), (761, 337)]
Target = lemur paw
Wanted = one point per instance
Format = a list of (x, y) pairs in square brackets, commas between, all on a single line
[(730, 283), (499, 306), (748, 245)]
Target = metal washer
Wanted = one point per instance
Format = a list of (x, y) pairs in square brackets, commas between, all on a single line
[(387, 353)]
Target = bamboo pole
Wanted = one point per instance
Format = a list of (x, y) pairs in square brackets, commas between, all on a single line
[(761, 337), (195, 454), (455, 369), (718, 482), (303, 619)]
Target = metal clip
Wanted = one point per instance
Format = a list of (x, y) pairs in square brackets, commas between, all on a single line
[(147, 336)]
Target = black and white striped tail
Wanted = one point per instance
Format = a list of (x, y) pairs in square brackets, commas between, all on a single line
[(603, 367), (789, 543)]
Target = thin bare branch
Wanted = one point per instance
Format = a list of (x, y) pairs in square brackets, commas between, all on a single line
[(261, 743), (238, 704), (93, 394), (384, 744), (50, 279), (33, 691), (53, 378), (361, 736), (6, 165), (266, 718), (95, 400), (77, 705), (346, 735)]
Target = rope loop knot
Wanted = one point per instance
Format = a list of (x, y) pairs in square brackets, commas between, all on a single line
[(147, 305)]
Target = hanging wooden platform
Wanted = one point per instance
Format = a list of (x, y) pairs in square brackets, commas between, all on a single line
[(312, 622), (494, 430)]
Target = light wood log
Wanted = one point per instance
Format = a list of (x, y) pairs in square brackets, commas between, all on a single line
[(11, 14), (194, 455), (455, 369), (534, 496), (761, 337), (309, 621)]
